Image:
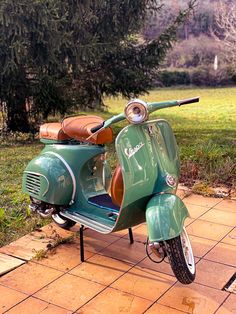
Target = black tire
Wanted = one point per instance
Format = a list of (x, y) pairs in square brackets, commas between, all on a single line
[(63, 222), (182, 264)]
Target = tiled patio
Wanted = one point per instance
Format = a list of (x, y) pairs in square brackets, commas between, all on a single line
[(118, 277)]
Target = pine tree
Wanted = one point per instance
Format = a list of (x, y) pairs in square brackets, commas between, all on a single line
[(58, 53)]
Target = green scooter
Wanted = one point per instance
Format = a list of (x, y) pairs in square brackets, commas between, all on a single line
[(71, 181)]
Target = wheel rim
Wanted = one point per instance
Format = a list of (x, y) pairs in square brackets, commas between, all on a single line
[(58, 219), (187, 250)]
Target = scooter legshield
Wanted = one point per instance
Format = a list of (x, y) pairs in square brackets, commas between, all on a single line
[(165, 215)]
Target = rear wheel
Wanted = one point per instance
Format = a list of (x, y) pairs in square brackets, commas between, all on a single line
[(181, 258), (63, 222)]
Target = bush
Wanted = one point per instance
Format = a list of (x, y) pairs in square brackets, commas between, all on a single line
[(169, 78), (200, 76)]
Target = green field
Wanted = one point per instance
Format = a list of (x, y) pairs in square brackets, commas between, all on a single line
[(206, 134)]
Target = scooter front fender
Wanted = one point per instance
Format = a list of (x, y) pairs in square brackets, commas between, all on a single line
[(165, 215)]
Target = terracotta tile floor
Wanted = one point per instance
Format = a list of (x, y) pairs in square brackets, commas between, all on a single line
[(116, 276)]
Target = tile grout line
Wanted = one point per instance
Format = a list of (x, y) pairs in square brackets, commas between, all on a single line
[(206, 259), (49, 303), (231, 226), (197, 236), (195, 219), (211, 207), (216, 223), (20, 259), (28, 296), (15, 290), (218, 242), (162, 296), (227, 235), (221, 199), (222, 303), (1, 284), (14, 256), (214, 288), (223, 210), (31, 296), (199, 217)]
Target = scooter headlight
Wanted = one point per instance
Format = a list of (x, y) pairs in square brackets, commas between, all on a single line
[(136, 111)]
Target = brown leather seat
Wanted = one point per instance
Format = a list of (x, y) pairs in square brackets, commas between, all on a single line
[(53, 131), (80, 127), (117, 187)]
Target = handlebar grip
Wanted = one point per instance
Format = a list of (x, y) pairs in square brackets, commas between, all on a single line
[(98, 127), (188, 101)]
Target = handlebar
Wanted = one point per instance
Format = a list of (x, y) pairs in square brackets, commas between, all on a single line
[(170, 103), (188, 101), (151, 108)]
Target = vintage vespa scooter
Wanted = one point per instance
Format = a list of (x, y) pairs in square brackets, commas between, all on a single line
[(71, 181)]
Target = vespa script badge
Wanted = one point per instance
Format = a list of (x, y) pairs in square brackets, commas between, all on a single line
[(129, 152)]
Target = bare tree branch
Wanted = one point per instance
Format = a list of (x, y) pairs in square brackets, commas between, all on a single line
[(226, 28)]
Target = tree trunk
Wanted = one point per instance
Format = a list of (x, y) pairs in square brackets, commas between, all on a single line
[(17, 116), (95, 100)]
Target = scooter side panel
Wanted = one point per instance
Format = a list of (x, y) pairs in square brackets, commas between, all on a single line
[(147, 154), (60, 166), (165, 217), (46, 178)]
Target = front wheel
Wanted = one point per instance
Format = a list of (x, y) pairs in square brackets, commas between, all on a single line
[(63, 222), (180, 254)]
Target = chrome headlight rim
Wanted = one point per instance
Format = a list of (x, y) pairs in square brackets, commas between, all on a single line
[(141, 105)]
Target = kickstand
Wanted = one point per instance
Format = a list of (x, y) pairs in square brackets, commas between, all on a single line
[(81, 235), (131, 238)]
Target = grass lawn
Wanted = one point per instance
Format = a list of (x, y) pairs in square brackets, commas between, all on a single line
[(205, 131)]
